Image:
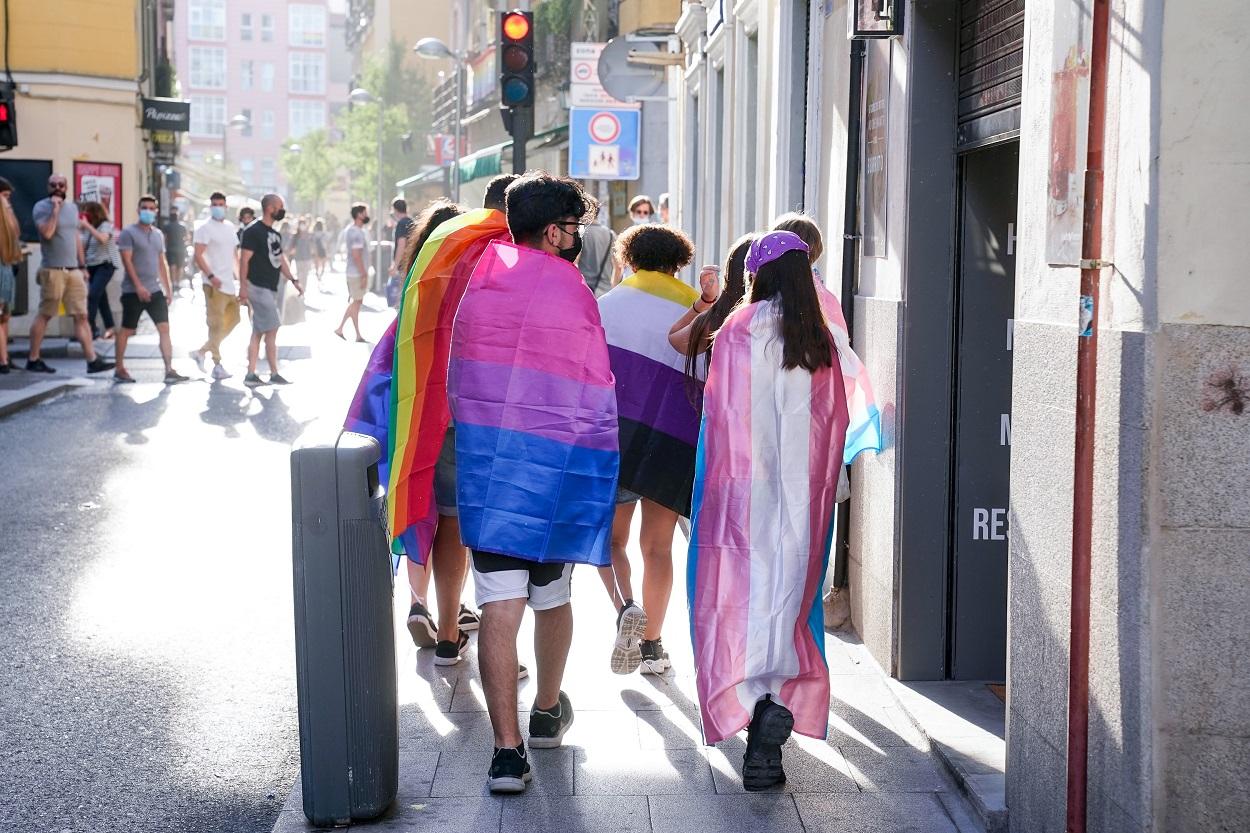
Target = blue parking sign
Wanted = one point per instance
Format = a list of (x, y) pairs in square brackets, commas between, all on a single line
[(604, 143)]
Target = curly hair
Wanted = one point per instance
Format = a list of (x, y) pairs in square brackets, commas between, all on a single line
[(655, 248)]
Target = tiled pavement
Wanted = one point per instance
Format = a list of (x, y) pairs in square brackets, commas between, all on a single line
[(634, 760)]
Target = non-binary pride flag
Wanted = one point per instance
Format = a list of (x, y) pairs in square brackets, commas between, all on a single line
[(532, 393), (657, 403), (418, 407), (770, 452)]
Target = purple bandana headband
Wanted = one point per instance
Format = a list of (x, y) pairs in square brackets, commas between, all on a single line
[(771, 246)]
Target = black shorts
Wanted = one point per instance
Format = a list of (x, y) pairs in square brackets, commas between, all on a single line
[(157, 309), (499, 578)]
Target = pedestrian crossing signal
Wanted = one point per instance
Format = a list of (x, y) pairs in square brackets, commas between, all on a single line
[(8, 117), (516, 59)]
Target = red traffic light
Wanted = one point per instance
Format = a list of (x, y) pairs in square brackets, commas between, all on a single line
[(4, 111), (516, 26)]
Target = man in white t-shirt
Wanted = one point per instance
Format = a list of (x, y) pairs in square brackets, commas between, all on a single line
[(215, 244)]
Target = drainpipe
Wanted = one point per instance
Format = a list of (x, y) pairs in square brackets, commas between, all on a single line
[(1086, 389), (850, 263)]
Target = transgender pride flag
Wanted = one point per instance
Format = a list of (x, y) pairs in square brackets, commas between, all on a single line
[(532, 394)]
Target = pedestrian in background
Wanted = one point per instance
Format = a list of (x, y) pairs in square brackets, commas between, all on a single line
[(641, 210), (216, 245), (301, 250), (357, 270), (176, 249), (61, 280), (659, 429), (597, 262), (262, 264), (146, 287), (320, 251), (247, 216), (10, 256), (691, 335), (664, 208), (103, 261), (403, 227)]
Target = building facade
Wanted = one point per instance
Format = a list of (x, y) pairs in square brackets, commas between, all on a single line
[(79, 81), (950, 160), (259, 75)]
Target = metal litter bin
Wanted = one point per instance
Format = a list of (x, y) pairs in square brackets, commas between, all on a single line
[(344, 633)]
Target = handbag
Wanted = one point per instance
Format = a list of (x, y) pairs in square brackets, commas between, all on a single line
[(292, 309)]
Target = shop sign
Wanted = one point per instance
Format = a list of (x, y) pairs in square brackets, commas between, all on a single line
[(876, 142), (166, 114), (164, 146), (100, 182)]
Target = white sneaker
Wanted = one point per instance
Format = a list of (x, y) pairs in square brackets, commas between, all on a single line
[(198, 357), (220, 372)]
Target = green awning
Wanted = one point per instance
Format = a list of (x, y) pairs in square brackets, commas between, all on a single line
[(489, 160)]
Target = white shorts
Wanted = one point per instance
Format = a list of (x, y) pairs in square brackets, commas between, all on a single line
[(499, 578)]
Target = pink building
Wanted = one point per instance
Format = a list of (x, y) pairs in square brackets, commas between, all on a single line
[(281, 65)]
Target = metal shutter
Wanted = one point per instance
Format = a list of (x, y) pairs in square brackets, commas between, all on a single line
[(991, 70)]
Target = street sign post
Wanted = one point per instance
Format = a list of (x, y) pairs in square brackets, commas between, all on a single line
[(604, 143)]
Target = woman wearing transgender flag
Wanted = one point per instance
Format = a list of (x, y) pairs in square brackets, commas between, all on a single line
[(766, 477)]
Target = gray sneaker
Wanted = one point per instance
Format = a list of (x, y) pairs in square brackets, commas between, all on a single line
[(631, 623)]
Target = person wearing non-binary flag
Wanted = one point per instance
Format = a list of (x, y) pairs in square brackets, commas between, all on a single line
[(531, 389), (770, 449), (659, 427)]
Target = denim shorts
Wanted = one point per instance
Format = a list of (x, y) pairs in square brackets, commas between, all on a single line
[(445, 476)]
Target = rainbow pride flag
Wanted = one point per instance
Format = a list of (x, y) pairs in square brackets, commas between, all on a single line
[(766, 476), (370, 410), (418, 403), (531, 389), (657, 404), (864, 432)]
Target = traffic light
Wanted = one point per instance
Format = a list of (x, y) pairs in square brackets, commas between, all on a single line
[(8, 117), (516, 59)]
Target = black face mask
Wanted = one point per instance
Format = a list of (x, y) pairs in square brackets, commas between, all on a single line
[(570, 254), (279, 214)]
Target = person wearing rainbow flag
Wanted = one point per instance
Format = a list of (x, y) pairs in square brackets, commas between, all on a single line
[(531, 389)]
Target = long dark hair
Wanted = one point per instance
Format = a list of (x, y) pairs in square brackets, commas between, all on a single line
[(805, 335), (703, 326), (435, 214)]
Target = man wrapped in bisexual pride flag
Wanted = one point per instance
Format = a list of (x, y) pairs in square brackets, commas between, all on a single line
[(532, 393), (766, 476)]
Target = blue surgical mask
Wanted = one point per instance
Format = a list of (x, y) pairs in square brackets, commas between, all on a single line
[(147, 216), (217, 212)]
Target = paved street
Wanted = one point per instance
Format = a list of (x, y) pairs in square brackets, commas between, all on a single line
[(147, 669)]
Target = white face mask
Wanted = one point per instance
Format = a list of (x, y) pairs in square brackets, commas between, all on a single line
[(639, 220)]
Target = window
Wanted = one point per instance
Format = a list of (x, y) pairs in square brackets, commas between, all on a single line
[(266, 124), (266, 77), (206, 19), (308, 72), (307, 25), (306, 116), (268, 174), (266, 28), (247, 171), (208, 115), (208, 67), (247, 75), (245, 26), (246, 130)]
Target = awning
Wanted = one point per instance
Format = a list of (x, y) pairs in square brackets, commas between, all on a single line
[(489, 160)]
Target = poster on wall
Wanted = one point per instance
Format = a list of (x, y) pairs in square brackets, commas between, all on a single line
[(1069, 137), (100, 182), (876, 140)]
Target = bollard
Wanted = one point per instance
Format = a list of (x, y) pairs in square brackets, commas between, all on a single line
[(344, 633)]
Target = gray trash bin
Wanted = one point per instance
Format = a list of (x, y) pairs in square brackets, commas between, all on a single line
[(344, 631)]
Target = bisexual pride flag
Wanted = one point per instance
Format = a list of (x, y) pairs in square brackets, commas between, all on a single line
[(531, 390), (657, 403)]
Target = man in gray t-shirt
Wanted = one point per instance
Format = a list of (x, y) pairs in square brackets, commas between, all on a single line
[(62, 280), (145, 287), (357, 269)]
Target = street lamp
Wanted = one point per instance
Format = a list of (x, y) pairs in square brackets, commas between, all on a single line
[(435, 50), (363, 96), (240, 123)]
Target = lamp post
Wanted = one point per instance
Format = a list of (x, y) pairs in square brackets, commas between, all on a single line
[(363, 96), (435, 49), (240, 123)]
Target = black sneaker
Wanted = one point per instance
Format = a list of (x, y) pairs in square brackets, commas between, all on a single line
[(421, 626), (39, 366), (654, 658), (5, 367), (470, 620), (99, 365), (173, 377), (278, 379), (447, 652), (547, 728), (252, 380), (509, 770), (631, 623), (769, 729)]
